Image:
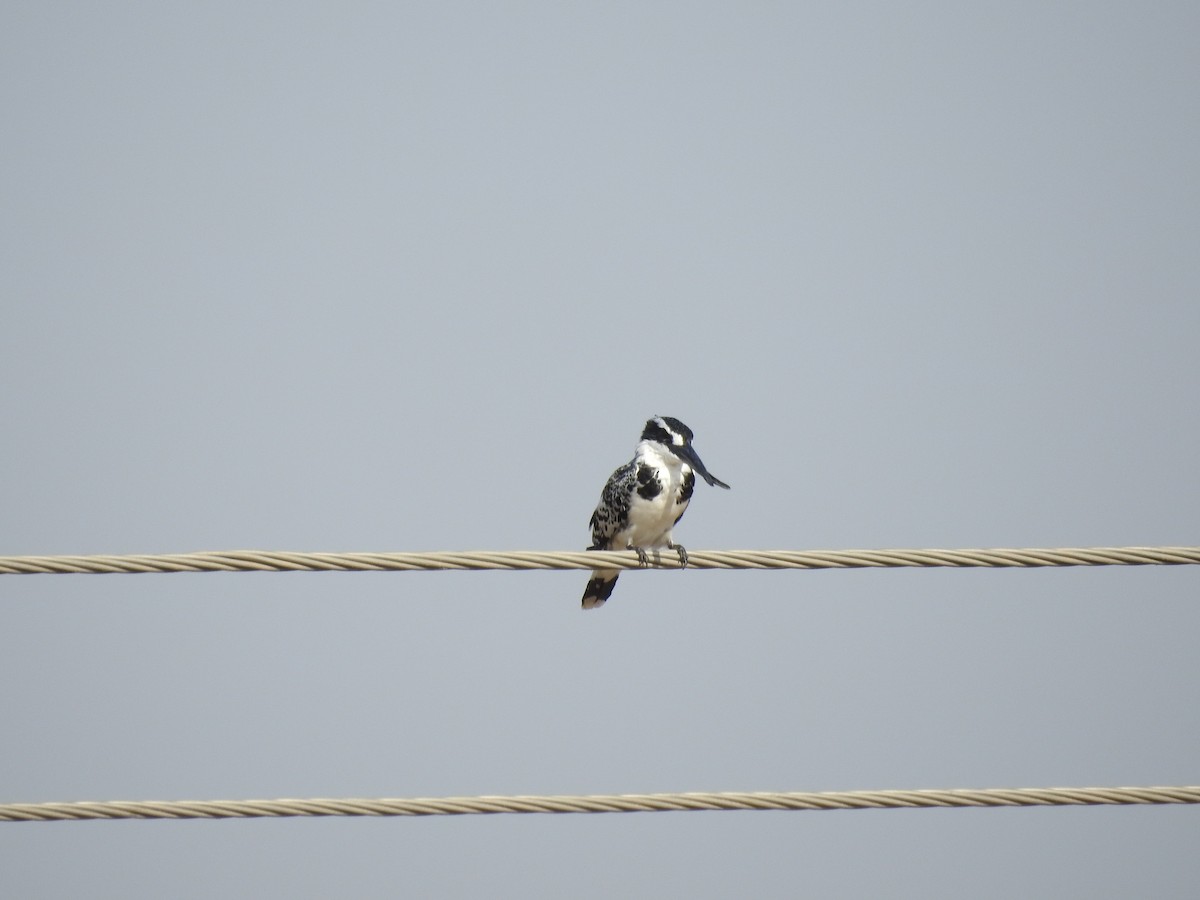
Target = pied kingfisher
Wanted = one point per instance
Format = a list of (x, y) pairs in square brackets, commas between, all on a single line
[(644, 499)]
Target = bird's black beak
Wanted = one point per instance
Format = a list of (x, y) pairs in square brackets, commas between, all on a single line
[(692, 459)]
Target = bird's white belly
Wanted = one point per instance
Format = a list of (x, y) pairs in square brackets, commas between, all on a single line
[(650, 521)]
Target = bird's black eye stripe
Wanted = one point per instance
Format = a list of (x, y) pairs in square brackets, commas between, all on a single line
[(655, 432)]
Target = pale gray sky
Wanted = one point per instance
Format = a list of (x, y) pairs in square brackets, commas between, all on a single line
[(412, 277)]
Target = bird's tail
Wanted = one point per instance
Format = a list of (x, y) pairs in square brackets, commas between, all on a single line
[(600, 588)]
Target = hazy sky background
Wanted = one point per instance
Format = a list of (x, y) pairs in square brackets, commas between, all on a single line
[(412, 276)]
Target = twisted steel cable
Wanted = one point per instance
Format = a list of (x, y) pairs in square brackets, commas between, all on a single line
[(601, 803), (285, 561)]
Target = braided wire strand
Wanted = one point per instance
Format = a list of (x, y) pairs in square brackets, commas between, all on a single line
[(287, 561), (602, 803)]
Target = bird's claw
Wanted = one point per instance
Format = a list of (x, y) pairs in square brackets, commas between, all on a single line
[(683, 557), (642, 559)]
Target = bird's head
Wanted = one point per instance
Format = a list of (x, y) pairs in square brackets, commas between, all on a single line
[(676, 439)]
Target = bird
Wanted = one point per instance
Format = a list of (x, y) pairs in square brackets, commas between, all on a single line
[(645, 499)]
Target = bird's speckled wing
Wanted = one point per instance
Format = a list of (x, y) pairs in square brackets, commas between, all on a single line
[(613, 510)]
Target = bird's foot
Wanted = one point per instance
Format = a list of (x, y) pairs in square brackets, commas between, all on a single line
[(643, 558), (683, 557)]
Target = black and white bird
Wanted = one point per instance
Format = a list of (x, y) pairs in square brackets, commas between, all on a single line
[(645, 499)]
